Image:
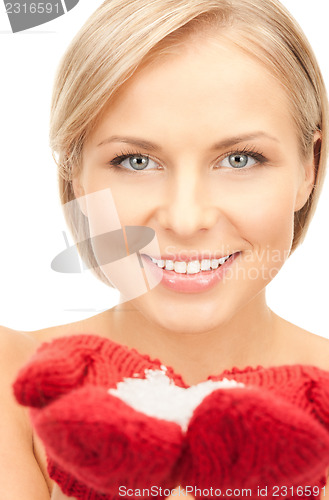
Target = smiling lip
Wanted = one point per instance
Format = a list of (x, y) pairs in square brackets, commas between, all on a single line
[(184, 257), (191, 283)]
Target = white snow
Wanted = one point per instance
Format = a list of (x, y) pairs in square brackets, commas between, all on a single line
[(158, 396)]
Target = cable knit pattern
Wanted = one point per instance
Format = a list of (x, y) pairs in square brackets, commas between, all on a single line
[(272, 432)]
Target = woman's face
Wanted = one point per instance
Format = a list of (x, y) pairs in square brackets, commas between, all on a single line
[(210, 162)]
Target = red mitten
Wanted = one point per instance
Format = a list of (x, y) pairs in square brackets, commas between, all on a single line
[(104, 443), (269, 430), (71, 362), (248, 438), (50, 382)]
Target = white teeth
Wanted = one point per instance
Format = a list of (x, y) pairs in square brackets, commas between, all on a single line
[(205, 265), (180, 267), (191, 267), (214, 263), (169, 265)]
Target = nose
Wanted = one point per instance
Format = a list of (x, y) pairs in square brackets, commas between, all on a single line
[(187, 206)]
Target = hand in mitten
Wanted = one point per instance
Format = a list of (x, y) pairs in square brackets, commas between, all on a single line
[(49, 384), (262, 427)]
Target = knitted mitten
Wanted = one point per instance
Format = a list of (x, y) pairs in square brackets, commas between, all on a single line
[(250, 428), (66, 385), (250, 438)]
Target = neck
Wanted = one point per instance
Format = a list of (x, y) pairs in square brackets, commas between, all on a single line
[(248, 339)]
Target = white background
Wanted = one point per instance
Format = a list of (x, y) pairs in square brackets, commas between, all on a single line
[(32, 296)]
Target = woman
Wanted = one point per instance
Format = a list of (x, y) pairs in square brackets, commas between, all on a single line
[(212, 134)]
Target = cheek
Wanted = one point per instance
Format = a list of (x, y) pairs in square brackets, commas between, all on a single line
[(269, 219), (263, 207), (122, 203), (135, 201), (266, 222)]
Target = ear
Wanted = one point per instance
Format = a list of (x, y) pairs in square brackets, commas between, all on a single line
[(308, 175)]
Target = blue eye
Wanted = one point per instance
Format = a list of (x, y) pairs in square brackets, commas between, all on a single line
[(238, 160), (137, 162), (133, 162)]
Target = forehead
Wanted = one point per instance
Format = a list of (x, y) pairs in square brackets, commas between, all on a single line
[(208, 85)]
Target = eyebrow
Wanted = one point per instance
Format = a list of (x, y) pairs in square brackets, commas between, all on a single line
[(230, 141)]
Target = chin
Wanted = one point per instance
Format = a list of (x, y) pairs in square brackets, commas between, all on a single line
[(183, 316)]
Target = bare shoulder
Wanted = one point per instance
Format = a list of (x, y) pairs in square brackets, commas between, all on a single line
[(316, 350), (22, 454), (15, 348), (17, 457), (100, 324), (302, 346)]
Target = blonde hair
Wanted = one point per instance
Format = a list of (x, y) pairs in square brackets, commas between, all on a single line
[(122, 35)]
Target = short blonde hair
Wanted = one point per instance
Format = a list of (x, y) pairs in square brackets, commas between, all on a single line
[(122, 35)]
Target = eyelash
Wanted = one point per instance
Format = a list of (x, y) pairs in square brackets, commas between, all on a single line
[(248, 151), (118, 159)]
